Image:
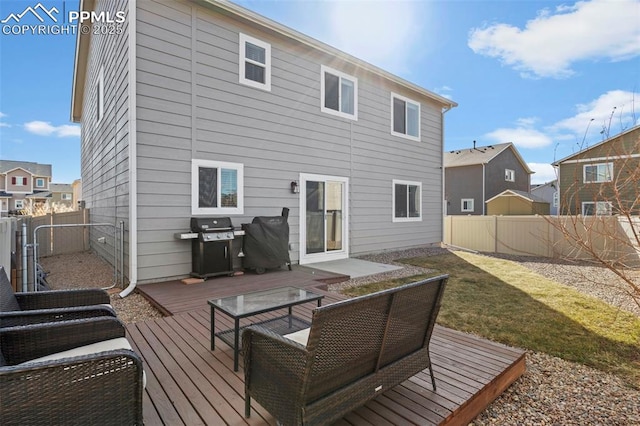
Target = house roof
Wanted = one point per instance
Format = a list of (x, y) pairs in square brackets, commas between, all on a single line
[(5, 194), (553, 183), (39, 194), (522, 194), (60, 187), (229, 8), (582, 151), (35, 169), (480, 155)]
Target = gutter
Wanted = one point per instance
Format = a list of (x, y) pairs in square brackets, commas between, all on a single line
[(444, 201), (133, 152)]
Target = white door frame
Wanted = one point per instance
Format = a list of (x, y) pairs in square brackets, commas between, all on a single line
[(326, 255)]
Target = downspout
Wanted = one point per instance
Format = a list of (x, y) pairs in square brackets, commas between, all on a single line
[(133, 161), (444, 201), (484, 171)]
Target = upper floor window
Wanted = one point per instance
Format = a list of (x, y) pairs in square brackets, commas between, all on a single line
[(255, 62), (339, 93), (217, 187), (66, 196), (509, 175), (407, 200), (596, 208), (466, 205), (405, 117), (100, 95), (39, 183), (19, 181), (598, 173)]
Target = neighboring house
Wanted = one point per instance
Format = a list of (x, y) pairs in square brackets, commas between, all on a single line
[(475, 175), (514, 202), (204, 108), (76, 187), (23, 184), (62, 195), (603, 179), (549, 193)]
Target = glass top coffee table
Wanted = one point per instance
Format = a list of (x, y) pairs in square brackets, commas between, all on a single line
[(259, 302)]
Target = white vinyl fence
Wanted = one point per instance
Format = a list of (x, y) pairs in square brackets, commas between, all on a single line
[(612, 237)]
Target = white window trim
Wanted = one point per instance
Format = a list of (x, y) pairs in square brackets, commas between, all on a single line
[(407, 100), (242, 59), (15, 204), (19, 181), (324, 69), (44, 183), (395, 182), (509, 175), (100, 94), (469, 201), (195, 210), (595, 204), (584, 172), (66, 196)]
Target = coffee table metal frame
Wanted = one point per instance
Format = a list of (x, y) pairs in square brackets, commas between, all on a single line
[(245, 305)]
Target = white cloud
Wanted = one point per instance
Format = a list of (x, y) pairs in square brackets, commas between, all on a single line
[(380, 32), (549, 44), (44, 128), (3, 115), (612, 112), (523, 135), (544, 172)]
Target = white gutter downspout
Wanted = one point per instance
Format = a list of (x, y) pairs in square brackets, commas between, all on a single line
[(483, 187), (133, 161), (444, 201)]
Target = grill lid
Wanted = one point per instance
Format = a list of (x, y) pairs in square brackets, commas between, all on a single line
[(211, 224)]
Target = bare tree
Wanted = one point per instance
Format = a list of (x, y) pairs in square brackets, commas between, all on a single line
[(599, 207)]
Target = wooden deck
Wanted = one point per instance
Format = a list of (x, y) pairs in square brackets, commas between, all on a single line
[(188, 384)]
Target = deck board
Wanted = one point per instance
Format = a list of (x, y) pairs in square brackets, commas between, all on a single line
[(189, 384)]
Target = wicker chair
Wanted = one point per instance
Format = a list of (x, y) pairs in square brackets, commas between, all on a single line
[(50, 306), (356, 349), (97, 388)]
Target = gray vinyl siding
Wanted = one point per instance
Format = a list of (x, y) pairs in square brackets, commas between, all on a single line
[(464, 182), (105, 145), (495, 182), (190, 104)]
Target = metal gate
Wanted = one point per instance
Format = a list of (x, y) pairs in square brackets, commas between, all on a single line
[(105, 239)]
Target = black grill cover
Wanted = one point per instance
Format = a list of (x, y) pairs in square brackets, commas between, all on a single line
[(266, 242)]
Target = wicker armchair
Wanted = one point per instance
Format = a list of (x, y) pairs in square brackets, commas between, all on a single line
[(356, 349), (97, 388), (50, 306)]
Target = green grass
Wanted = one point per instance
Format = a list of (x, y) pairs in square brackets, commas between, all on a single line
[(508, 303)]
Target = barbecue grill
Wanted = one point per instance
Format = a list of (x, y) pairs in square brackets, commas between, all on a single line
[(211, 251)]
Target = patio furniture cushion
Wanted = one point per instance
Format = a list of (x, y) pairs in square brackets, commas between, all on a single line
[(301, 336), (93, 348)]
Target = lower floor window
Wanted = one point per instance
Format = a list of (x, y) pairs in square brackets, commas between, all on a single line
[(596, 208), (407, 201), (217, 187), (467, 205), (19, 204)]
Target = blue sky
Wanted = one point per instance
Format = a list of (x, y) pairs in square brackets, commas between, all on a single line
[(548, 76)]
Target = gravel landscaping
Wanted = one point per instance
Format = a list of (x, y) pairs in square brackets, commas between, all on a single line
[(551, 392)]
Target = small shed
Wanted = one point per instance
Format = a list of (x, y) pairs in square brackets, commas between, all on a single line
[(513, 202)]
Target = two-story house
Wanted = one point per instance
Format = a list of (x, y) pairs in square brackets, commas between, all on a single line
[(475, 175), (548, 192), (23, 184), (205, 108), (602, 179)]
